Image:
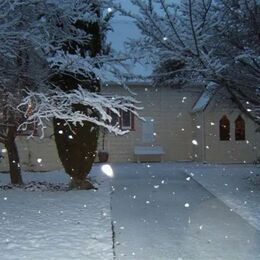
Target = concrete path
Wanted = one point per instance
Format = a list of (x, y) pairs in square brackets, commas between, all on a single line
[(162, 214)]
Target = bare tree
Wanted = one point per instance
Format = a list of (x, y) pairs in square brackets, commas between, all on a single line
[(203, 41)]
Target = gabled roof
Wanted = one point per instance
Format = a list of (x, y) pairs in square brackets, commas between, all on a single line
[(205, 98)]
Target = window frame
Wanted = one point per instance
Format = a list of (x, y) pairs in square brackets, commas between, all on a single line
[(120, 120), (131, 120)]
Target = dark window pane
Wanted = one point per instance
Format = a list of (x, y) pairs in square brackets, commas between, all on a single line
[(115, 119), (224, 129), (126, 119), (240, 129)]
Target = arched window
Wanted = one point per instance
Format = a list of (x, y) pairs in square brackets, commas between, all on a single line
[(224, 129), (240, 132)]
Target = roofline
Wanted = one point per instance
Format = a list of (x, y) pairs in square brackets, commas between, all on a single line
[(210, 90)]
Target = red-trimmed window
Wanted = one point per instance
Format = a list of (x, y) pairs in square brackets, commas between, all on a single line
[(224, 129), (240, 129), (126, 121)]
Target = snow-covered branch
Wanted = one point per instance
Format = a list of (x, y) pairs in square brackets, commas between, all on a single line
[(41, 40), (62, 105)]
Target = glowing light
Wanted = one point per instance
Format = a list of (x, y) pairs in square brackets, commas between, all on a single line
[(186, 205), (107, 170), (4, 150), (39, 160), (109, 10), (195, 142)]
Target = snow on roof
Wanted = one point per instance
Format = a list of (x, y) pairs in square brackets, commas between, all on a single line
[(205, 97)]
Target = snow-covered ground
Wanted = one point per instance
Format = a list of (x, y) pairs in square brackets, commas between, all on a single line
[(77, 224), (238, 186), (159, 212), (56, 225)]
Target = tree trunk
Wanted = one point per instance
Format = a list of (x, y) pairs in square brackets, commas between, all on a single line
[(13, 157)]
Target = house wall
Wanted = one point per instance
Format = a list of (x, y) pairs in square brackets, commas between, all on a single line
[(36, 154), (175, 127), (230, 151), (170, 111), (198, 136), (212, 149)]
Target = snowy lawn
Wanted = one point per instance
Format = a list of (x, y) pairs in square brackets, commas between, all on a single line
[(77, 224), (238, 186), (55, 224)]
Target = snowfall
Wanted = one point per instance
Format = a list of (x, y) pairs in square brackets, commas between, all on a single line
[(139, 211)]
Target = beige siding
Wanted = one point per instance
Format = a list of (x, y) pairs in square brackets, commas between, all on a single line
[(172, 124), (211, 149), (30, 150), (230, 151), (174, 127)]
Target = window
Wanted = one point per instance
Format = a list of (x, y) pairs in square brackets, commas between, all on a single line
[(125, 121), (224, 129), (240, 129), (115, 118)]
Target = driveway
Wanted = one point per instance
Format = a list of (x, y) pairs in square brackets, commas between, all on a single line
[(159, 213)]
